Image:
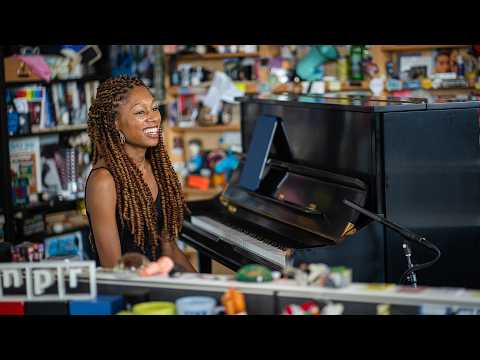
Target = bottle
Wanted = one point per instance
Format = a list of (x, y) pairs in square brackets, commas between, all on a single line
[(356, 60), (460, 67)]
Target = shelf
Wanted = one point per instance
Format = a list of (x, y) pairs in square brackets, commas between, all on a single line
[(214, 56), (54, 81), (49, 206), (39, 237), (55, 130), (453, 89), (418, 47), (192, 194), (214, 128), (176, 90)]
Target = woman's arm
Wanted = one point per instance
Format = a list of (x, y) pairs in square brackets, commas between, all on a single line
[(101, 203), (171, 249)]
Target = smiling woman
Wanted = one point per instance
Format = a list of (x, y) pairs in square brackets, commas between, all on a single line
[(133, 197)]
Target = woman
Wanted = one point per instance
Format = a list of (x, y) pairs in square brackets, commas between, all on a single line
[(133, 197)]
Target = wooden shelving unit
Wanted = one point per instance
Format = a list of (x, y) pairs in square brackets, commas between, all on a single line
[(213, 128), (214, 56), (54, 130), (14, 212), (395, 48), (197, 194)]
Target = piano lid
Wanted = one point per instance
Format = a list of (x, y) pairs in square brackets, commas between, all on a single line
[(361, 103)]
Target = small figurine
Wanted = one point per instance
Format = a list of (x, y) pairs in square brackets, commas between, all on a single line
[(195, 164)]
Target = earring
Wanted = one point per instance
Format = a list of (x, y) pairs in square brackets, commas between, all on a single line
[(122, 137)]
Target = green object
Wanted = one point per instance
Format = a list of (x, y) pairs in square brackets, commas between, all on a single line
[(356, 62), (154, 308), (125, 312), (254, 273)]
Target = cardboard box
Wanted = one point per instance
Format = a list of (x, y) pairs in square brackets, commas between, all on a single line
[(16, 70)]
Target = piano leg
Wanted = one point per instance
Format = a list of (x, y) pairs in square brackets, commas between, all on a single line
[(204, 263)]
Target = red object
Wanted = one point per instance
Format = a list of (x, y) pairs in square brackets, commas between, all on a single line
[(198, 182), (12, 308)]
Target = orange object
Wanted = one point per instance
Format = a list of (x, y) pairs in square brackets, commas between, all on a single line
[(218, 179), (234, 302), (198, 182)]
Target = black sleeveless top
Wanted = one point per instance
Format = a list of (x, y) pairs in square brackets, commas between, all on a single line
[(126, 238)]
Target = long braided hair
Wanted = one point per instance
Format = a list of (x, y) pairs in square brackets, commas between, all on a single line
[(134, 200)]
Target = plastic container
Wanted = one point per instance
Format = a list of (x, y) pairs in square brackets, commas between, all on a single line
[(154, 308), (197, 305)]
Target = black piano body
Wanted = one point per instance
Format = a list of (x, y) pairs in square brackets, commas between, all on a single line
[(413, 161)]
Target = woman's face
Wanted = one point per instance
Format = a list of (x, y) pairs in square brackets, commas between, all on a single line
[(139, 118)]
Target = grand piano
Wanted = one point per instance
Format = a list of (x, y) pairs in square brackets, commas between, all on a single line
[(414, 161)]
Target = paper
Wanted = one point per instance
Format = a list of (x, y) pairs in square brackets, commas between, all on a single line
[(222, 89)]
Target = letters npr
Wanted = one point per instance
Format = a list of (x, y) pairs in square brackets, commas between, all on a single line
[(38, 277)]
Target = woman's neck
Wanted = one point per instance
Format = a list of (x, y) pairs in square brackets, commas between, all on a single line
[(137, 155)]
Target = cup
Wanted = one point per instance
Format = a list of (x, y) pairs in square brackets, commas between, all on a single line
[(154, 308), (197, 305)]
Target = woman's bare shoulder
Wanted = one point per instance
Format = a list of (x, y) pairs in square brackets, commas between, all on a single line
[(101, 181)]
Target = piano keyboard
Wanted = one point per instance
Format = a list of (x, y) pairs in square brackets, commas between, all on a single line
[(271, 253)]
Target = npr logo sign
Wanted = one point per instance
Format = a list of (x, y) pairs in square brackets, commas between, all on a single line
[(47, 281)]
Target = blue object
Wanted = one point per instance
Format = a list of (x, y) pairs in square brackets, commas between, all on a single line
[(75, 48), (258, 152), (196, 305), (310, 67), (102, 305), (412, 84), (228, 164)]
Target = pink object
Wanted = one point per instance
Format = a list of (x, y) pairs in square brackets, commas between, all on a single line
[(160, 267), (37, 64)]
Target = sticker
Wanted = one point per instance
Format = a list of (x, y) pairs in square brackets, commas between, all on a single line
[(380, 286)]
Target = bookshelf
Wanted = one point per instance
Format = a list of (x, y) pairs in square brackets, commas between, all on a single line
[(214, 56), (383, 54), (208, 135), (15, 212)]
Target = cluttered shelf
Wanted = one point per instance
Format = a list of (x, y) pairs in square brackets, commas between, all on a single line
[(40, 237), (54, 130), (214, 56), (192, 194), (50, 206), (54, 81), (213, 128), (418, 47)]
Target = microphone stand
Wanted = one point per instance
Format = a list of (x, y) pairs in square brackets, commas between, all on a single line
[(407, 234)]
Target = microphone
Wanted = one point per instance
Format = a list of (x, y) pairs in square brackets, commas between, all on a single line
[(409, 235)]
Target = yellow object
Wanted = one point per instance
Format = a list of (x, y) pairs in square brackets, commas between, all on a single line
[(380, 286), (125, 312), (426, 84), (383, 309), (154, 308), (241, 86)]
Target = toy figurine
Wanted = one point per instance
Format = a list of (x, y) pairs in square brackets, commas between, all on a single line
[(195, 164), (227, 164)]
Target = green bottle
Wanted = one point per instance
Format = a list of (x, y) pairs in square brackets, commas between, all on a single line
[(356, 60)]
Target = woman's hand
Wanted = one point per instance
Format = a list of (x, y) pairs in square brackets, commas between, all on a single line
[(162, 266)]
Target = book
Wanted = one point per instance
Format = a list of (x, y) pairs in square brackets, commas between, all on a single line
[(25, 168), (51, 160), (60, 103), (90, 90), (64, 246), (27, 109)]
